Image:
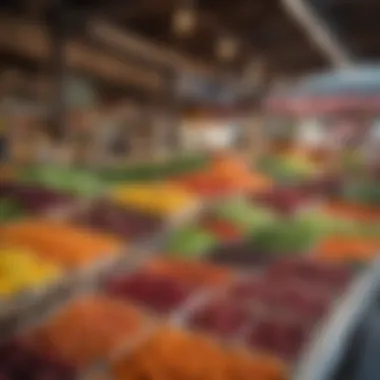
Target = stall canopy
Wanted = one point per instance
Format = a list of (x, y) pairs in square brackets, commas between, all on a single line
[(348, 89)]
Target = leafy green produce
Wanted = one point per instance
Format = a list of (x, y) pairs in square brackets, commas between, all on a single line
[(9, 210), (352, 162), (330, 225), (150, 171), (285, 237), (284, 169), (324, 224), (245, 214), (65, 179), (190, 243), (364, 191)]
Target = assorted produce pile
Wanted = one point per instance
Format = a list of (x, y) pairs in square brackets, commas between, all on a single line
[(124, 222), (88, 329), (72, 181), (21, 270), (155, 171), (225, 176), (171, 353), (18, 363), (288, 167), (276, 309), (251, 264), (18, 199), (159, 199), (67, 246)]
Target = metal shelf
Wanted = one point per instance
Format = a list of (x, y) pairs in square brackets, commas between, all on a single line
[(326, 352)]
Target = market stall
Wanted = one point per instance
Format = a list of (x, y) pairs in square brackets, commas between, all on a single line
[(163, 259)]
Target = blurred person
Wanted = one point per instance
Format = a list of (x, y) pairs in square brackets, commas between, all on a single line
[(4, 146), (79, 136), (44, 145)]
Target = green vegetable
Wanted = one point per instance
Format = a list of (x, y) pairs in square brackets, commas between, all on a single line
[(9, 210), (190, 243), (365, 191), (158, 170), (284, 169), (286, 236), (71, 180), (329, 225), (245, 214)]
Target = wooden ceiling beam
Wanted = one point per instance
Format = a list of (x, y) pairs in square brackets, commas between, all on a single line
[(123, 11), (31, 40)]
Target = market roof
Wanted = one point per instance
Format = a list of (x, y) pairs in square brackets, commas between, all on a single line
[(264, 30)]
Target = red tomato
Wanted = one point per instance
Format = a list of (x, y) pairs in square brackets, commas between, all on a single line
[(223, 230)]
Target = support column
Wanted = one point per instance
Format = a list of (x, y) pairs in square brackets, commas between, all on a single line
[(58, 25), (174, 110)]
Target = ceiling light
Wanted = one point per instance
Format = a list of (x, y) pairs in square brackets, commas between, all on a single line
[(184, 20), (227, 48), (254, 72)]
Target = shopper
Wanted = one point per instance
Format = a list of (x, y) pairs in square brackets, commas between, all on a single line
[(43, 152), (3, 142)]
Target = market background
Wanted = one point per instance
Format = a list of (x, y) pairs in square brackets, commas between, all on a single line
[(189, 190)]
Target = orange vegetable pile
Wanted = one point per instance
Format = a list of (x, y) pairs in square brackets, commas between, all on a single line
[(223, 230), (69, 246), (89, 329), (227, 174), (353, 211), (191, 273), (348, 248), (172, 354)]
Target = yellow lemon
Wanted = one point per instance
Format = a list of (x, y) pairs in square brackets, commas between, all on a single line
[(5, 288)]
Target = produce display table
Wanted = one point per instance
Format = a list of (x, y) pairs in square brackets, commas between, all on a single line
[(231, 277)]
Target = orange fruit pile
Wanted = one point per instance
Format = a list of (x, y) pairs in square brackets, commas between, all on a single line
[(66, 245), (89, 329), (192, 273), (173, 354)]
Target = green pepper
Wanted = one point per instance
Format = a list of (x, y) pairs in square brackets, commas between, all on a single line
[(245, 214), (190, 243)]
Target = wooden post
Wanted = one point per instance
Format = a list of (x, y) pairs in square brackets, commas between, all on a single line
[(173, 108), (57, 21)]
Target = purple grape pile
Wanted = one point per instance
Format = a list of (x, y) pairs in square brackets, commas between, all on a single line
[(239, 254), (159, 293), (276, 309), (17, 363), (126, 223), (223, 317), (284, 201), (34, 199), (330, 186)]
